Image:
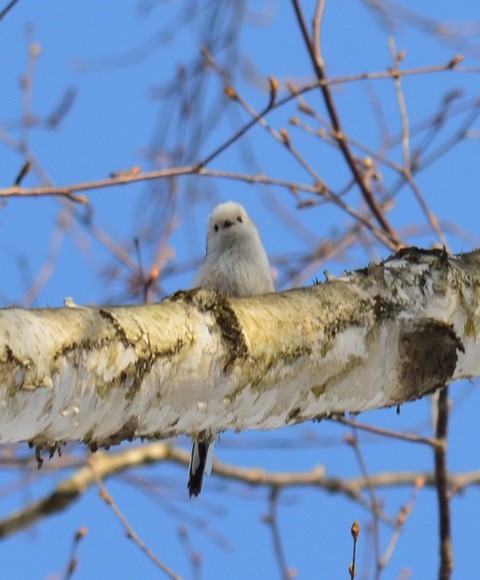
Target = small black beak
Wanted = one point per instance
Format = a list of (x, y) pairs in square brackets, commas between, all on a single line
[(227, 224)]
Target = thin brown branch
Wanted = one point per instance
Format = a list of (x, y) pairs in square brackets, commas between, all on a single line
[(108, 465), (431, 217), (407, 167), (379, 75), (320, 188), (72, 488), (131, 534), (355, 531), (34, 51), (306, 266), (283, 137), (326, 138), (338, 130), (118, 252), (73, 560), (272, 521), (442, 486), (454, 139), (192, 555), (402, 518), (121, 179), (22, 173), (190, 170), (47, 269), (401, 105), (317, 28), (410, 437), (453, 33), (376, 510), (7, 8), (54, 119), (431, 123), (232, 94)]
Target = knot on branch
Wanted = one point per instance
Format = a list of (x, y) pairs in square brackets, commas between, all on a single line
[(428, 353)]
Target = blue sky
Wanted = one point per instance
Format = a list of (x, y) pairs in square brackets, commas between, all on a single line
[(108, 52)]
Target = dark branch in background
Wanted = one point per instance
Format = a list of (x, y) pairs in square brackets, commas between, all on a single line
[(7, 8), (22, 173), (62, 109), (441, 479)]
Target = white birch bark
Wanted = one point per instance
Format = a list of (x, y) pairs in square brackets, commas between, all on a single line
[(198, 361)]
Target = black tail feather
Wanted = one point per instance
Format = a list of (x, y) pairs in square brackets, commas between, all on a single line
[(196, 470)]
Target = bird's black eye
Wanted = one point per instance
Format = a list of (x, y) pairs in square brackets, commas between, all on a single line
[(239, 219), (215, 227)]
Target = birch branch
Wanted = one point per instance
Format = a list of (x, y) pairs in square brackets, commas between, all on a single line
[(198, 361), (108, 465)]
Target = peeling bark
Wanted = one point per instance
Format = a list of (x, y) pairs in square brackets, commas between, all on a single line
[(198, 361)]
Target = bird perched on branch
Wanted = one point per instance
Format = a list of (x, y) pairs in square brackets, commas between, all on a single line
[(236, 264)]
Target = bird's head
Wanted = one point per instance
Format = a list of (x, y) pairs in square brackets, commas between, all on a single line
[(229, 224)]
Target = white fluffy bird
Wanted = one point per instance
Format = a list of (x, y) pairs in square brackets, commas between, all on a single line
[(235, 264)]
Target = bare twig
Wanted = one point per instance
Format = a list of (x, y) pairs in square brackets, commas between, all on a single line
[(407, 168), (192, 555), (189, 170), (376, 511), (402, 518), (62, 108), (338, 130), (441, 478), (73, 561), (47, 269), (320, 188), (382, 75), (121, 179), (457, 34), (355, 531), (131, 534), (272, 521), (410, 437), (431, 217), (317, 28), (397, 58), (7, 8), (459, 134), (22, 173), (108, 465), (231, 93), (283, 137)]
